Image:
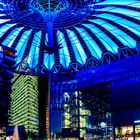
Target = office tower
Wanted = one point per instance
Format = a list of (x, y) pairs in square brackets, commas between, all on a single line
[(24, 103), (7, 60)]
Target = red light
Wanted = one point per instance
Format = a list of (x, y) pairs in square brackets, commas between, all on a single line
[(8, 52)]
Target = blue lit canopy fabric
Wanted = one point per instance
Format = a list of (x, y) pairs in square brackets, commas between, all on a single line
[(85, 29)]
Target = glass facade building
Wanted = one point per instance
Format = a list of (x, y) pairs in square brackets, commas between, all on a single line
[(24, 103), (75, 116), (7, 60)]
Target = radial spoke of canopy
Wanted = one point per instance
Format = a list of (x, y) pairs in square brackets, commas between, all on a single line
[(69, 35)]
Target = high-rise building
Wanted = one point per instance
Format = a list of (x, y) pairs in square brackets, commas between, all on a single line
[(24, 103), (7, 60), (75, 116)]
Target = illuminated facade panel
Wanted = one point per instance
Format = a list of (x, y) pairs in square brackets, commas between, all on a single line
[(24, 103)]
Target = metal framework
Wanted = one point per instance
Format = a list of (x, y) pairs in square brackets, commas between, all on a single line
[(126, 69), (107, 58), (69, 35)]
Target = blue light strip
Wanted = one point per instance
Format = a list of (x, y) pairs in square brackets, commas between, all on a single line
[(118, 2), (48, 58), (36, 57), (3, 15), (137, 4), (122, 36), (122, 11), (134, 29), (11, 37), (46, 62), (63, 53), (91, 44), (76, 45), (107, 42), (34, 51), (4, 28), (20, 48), (1, 3), (123, 22), (46, 41), (4, 20)]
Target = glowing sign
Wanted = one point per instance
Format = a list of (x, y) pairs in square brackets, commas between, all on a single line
[(6, 51)]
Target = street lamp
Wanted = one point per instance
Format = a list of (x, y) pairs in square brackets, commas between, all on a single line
[(104, 126)]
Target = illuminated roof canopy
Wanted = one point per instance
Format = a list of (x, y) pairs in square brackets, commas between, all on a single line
[(90, 32)]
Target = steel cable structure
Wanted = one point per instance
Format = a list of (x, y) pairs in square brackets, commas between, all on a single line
[(69, 35)]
